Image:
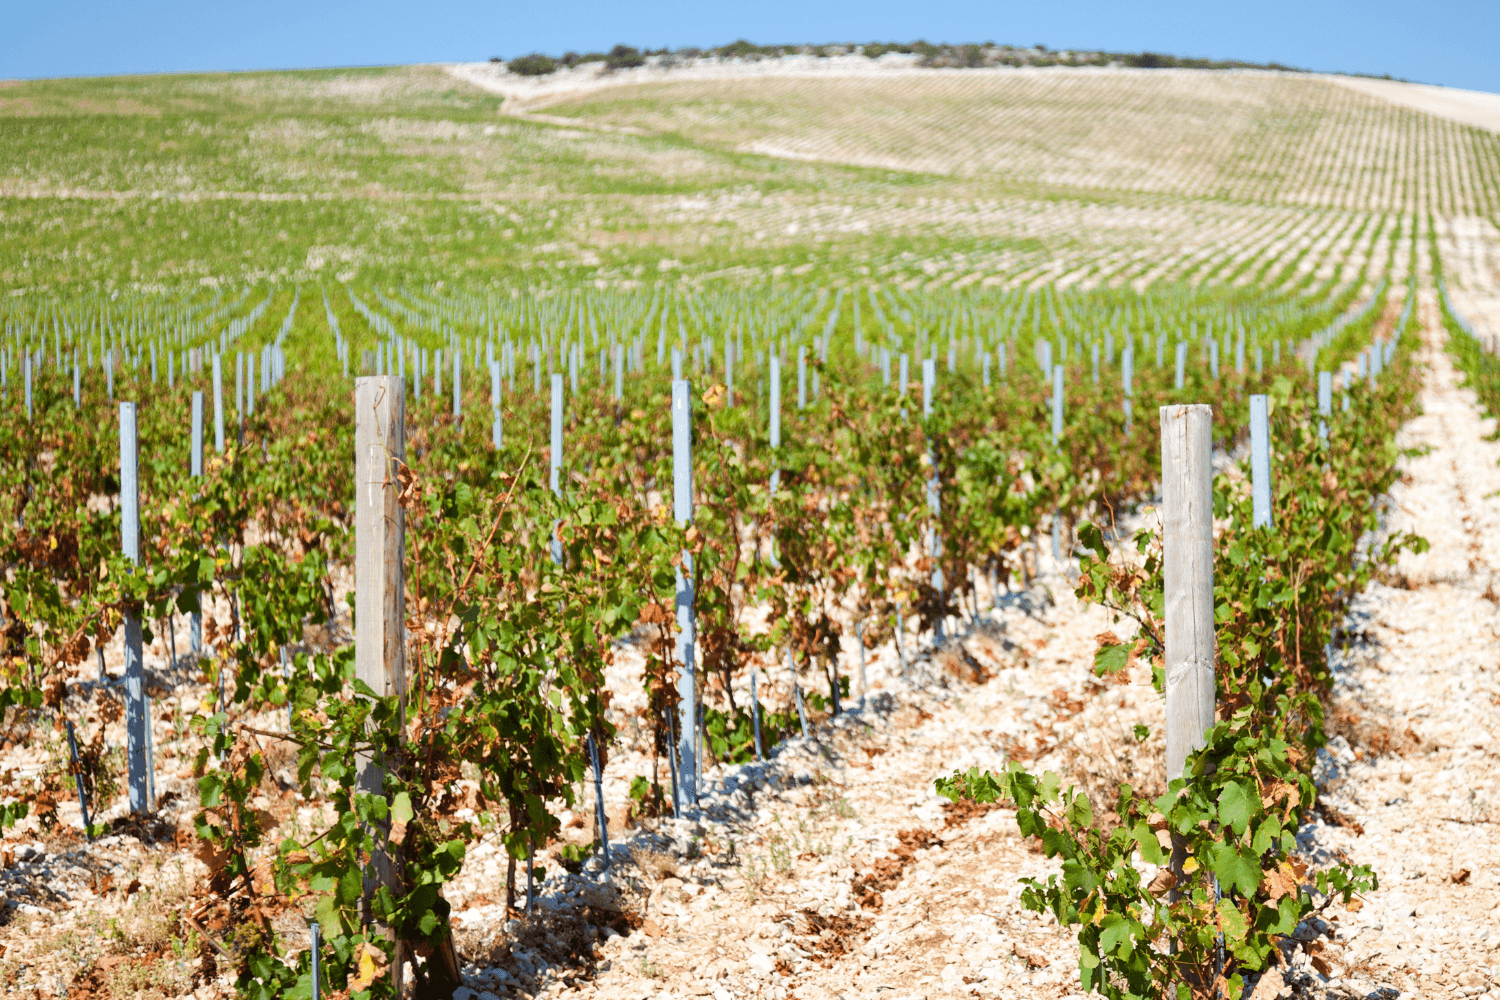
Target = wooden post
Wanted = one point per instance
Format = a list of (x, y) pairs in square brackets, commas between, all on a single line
[(682, 508), (1260, 462), (379, 575), (137, 716), (1188, 568)]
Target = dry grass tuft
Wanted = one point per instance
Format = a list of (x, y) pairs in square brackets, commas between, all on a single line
[(655, 865)]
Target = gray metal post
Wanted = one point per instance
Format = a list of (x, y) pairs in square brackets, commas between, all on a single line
[(195, 619), (458, 390), (557, 433), (755, 711), (1260, 462), (934, 506), (600, 814), (791, 666), (864, 687), (26, 366), (497, 436), (1181, 380), (218, 404), (315, 949), (620, 371), (775, 416), (136, 720), (801, 378), (1057, 403), (196, 443), (729, 370), (1127, 377), (682, 508), (555, 458), (1325, 402), (77, 384)]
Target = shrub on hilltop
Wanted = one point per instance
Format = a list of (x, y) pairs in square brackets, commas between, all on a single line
[(624, 57), (534, 64)]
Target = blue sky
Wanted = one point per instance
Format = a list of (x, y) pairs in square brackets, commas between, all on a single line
[(1441, 41)]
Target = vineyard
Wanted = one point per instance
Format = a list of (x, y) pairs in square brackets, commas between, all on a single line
[(724, 537)]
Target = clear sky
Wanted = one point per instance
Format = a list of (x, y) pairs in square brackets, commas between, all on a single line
[(1449, 42)]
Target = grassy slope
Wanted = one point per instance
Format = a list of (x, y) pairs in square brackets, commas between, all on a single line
[(406, 171)]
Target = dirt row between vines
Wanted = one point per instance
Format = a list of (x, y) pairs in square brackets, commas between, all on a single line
[(834, 870)]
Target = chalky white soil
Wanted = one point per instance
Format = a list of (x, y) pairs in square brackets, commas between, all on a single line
[(1420, 684), (835, 871)]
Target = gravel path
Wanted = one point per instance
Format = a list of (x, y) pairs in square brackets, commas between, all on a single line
[(1412, 781)]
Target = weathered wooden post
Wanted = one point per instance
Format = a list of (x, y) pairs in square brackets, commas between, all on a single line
[(379, 580), (137, 713), (1260, 462), (682, 509), (1188, 568)]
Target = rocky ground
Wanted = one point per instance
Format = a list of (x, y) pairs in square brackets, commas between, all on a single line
[(833, 869)]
